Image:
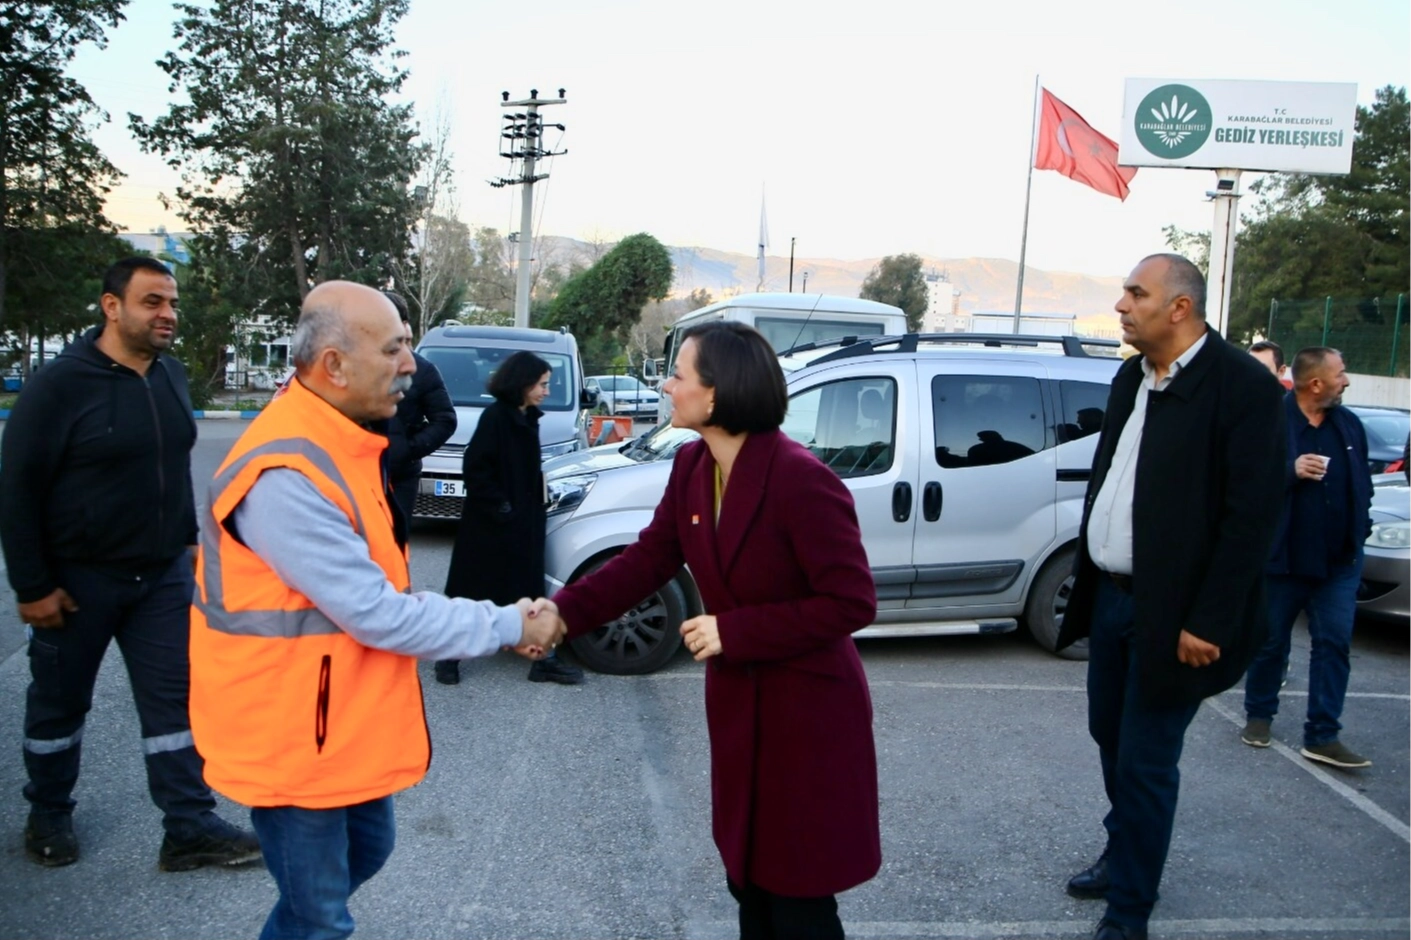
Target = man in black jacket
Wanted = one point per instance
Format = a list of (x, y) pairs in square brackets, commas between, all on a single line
[(425, 420), (99, 526), (1179, 519), (1317, 562)]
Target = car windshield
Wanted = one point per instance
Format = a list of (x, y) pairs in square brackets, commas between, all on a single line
[(467, 369), (660, 444)]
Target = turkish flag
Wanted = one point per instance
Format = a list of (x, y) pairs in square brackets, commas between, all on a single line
[(1068, 144)]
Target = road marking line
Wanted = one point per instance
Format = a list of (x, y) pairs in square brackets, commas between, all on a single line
[(1401, 829), (1340, 927)]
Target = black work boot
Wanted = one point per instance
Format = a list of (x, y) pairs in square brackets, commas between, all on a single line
[(49, 839), (219, 843), (448, 671)]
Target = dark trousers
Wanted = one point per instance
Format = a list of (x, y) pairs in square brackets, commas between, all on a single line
[(768, 916), (404, 492), (150, 620), (1140, 746)]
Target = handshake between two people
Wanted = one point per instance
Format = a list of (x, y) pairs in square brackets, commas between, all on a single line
[(542, 628)]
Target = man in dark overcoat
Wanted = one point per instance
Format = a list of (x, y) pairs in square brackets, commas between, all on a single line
[(1178, 522), (425, 419)]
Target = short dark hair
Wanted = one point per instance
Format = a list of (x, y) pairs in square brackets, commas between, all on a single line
[(1183, 278), (1308, 360), (117, 277), (1266, 345), (400, 303), (737, 361), (515, 376)]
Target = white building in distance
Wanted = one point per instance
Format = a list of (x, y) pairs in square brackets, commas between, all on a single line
[(943, 306)]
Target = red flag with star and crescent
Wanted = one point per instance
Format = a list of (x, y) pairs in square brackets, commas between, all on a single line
[(1070, 145)]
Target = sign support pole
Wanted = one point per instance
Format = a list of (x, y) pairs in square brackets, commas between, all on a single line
[(1222, 249)]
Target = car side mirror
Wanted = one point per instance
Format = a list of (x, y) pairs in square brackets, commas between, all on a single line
[(588, 398), (649, 368)]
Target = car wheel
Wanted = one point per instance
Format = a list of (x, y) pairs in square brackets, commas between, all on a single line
[(1048, 601), (640, 641)]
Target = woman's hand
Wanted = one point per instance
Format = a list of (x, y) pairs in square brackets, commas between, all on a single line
[(702, 637)]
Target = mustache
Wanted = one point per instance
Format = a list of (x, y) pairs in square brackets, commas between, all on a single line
[(402, 383)]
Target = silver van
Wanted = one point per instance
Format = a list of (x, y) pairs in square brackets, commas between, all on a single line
[(467, 356), (967, 458)]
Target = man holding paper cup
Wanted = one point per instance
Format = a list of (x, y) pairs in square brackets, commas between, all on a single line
[(1317, 561)]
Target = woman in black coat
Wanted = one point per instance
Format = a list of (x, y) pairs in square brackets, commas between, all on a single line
[(499, 550)]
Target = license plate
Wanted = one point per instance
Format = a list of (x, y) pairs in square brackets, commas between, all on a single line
[(449, 488)]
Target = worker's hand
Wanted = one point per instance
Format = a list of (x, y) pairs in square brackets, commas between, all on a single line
[(702, 637), (542, 628), (47, 613), (1195, 652)]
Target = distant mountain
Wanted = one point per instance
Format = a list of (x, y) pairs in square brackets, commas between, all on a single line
[(985, 284)]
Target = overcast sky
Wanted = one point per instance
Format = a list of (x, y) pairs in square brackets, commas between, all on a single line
[(873, 128)]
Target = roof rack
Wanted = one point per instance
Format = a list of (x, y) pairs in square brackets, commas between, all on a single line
[(849, 346)]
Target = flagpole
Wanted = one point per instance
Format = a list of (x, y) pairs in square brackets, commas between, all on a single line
[(1028, 191)]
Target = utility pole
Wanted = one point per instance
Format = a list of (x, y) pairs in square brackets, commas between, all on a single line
[(525, 132), (791, 264)]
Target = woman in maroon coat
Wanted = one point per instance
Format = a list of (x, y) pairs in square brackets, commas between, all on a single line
[(772, 539)]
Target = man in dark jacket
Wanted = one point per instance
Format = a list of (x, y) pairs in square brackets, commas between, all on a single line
[(425, 420), (1317, 562), (99, 525), (1179, 519)]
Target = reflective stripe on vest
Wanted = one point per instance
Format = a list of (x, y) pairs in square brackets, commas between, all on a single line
[(276, 624)]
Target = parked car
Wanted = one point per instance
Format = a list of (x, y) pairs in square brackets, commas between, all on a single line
[(625, 395), (967, 459), (1384, 592), (1387, 432), (467, 356)]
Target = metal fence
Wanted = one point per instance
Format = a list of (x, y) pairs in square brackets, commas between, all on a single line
[(1370, 332)]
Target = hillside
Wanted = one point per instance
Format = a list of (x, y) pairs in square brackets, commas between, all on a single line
[(985, 284)]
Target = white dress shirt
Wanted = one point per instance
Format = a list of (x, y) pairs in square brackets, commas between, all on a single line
[(1110, 523)]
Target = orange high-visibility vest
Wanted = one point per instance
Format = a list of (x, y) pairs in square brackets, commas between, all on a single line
[(286, 708)]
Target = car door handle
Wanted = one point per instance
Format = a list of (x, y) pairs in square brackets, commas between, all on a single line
[(931, 500), (901, 502)]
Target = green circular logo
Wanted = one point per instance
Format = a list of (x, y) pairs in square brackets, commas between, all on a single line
[(1173, 121)]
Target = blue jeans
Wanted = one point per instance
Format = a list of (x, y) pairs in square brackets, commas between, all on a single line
[(1140, 746), (318, 858), (1331, 604)]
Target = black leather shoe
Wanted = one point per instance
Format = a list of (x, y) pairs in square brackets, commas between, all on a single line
[(1111, 930), (1091, 883), (553, 669), (448, 671)]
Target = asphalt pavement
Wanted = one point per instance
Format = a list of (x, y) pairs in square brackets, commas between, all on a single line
[(584, 812)]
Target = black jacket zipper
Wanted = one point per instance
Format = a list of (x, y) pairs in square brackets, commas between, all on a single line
[(161, 472)]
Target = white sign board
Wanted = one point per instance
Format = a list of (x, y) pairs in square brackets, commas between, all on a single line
[(1277, 126)]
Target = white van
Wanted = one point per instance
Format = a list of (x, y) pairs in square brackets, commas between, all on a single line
[(786, 320)]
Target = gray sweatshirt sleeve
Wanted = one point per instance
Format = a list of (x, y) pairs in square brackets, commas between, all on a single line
[(307, 541)]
